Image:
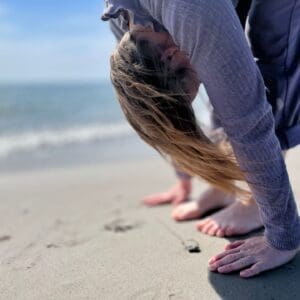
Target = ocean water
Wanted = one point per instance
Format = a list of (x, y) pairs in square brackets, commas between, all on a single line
[(60, 125)]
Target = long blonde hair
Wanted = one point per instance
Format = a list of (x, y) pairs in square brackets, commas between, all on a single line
[(155, 103)]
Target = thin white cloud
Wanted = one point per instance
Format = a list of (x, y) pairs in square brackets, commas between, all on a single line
[(80, 52)]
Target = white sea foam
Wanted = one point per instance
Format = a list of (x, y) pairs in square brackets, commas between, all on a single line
[(30, 141)]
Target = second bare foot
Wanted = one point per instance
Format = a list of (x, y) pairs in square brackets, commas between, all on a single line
[(175, 195), (211, 199), (236, 219)]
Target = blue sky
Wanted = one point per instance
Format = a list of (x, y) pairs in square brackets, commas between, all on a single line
[(53, 40)]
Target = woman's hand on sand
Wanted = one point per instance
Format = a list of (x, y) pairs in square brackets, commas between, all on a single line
[(175, 195), (252, 256)]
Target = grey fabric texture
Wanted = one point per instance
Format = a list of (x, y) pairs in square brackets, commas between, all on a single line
[(211, 35)]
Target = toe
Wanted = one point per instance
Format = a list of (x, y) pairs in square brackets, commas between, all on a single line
[(229, 231), (213, 230), (207, 227), (220, 232), (157, 199), (178, 213), (200, 225)]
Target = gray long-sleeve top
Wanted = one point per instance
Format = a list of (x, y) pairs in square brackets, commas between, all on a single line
[(211, 35)]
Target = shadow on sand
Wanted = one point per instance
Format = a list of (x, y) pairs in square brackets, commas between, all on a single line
[(279, 284)]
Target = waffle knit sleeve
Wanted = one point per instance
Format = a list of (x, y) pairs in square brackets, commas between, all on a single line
[(211, 35)]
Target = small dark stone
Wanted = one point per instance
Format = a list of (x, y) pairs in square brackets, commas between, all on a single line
[(193, 249), (192, 246)]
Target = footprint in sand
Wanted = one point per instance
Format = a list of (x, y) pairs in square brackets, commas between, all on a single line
[(5, 238), (51, 246), (120, 226), (68, 239)]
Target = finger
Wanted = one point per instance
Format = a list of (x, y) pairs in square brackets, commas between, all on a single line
[(230, 231), (237, 265), (220, 232), (234, 245), (223, 254), (226, 261), (254, 270), (212, 231)]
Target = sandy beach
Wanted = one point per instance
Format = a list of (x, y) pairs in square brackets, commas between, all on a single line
[(82, 233)]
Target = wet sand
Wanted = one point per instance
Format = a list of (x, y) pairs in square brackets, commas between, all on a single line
[(82, 234)]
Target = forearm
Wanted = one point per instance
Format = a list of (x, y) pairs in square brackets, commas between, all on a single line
[(269, 182)]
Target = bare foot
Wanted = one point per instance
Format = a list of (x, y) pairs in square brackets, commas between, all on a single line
[(211, 199), (238, 218), (175, 195)]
